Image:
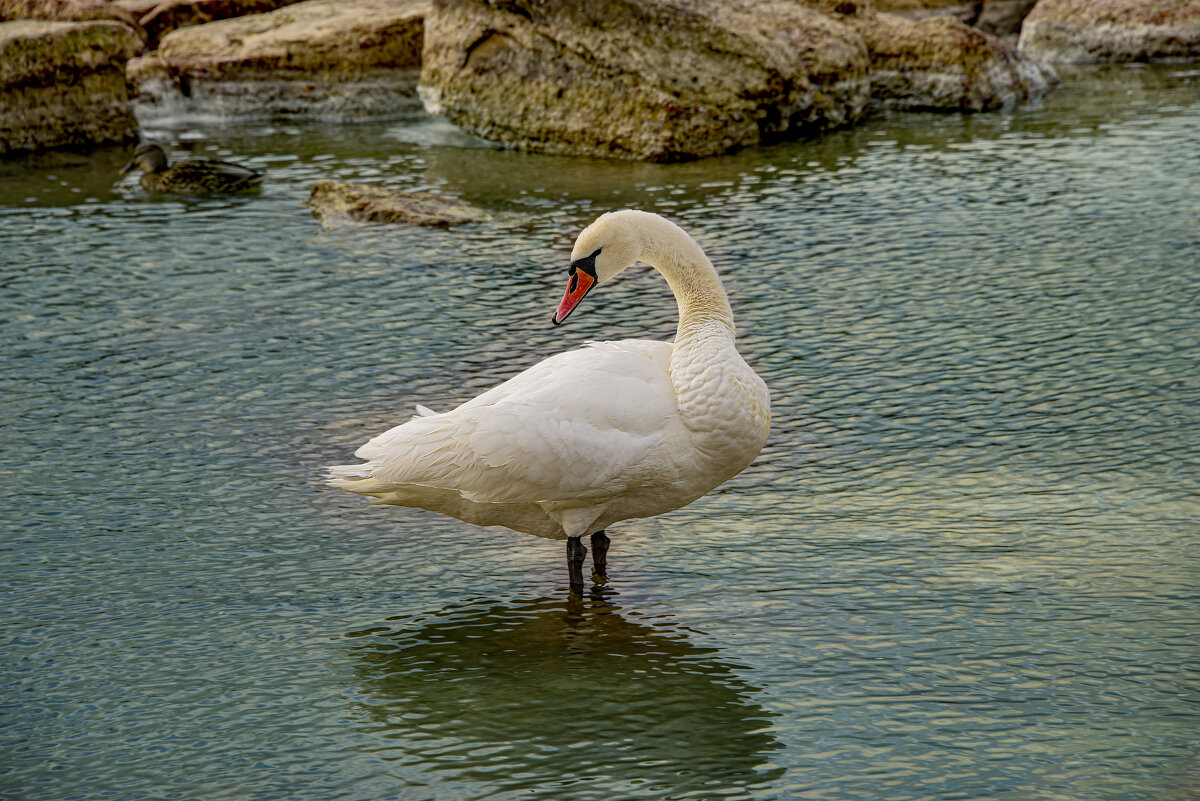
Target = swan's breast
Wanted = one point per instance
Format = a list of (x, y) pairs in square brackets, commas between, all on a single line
[(725, 408)]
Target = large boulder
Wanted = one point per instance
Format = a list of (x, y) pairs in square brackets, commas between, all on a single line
[(1107, 31), (638, 79), (330, 59), (62, 84), (937, 62)]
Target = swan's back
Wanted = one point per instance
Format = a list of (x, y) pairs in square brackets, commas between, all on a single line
[(579, 427)]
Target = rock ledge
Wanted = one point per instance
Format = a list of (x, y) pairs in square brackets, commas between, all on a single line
[(1113, 31), (327, 59)]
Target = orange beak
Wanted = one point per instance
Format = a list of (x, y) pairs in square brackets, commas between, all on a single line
[(581, 283)]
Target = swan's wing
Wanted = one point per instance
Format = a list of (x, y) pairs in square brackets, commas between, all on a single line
[(572, 427)]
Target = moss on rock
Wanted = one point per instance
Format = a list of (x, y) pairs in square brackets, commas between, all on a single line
[(36, 53), (62, 84)]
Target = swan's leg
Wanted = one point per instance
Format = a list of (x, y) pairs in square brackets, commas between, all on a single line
[(575, 554), (600, 542)]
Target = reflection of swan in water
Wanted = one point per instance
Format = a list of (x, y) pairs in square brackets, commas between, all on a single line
[(554, 700)]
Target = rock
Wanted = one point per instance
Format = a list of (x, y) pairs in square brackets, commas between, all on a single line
[(163, 16), (1000, 18), (1108, 31), (965, 10), (67, 11), (1003, 18), (138, 8), (62, 84), (942, 64), (931, 60), (637, 79), (333, 200), (328, 59)]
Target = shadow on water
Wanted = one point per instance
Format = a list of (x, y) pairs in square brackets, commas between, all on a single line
[(562, 699)]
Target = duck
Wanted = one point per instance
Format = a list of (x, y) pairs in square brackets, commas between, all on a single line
[(607, 432), (191, 176)]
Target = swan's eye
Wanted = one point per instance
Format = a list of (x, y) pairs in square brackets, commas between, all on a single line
[(587, 264)]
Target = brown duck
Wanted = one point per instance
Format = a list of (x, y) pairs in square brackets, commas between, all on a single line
[(192, 176)]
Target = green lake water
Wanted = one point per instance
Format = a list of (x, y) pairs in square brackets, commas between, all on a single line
[(966, 566)]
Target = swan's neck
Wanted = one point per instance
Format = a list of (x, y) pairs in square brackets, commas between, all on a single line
[(704, 311), (703, 353)]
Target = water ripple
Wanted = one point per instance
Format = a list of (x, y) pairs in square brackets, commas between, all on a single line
[(964, 567)]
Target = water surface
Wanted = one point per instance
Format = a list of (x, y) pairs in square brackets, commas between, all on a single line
[(964, 567)]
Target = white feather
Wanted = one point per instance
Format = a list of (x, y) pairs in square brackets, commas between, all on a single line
[(607, 432)]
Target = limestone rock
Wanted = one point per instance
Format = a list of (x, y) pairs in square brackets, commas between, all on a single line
[(1107, 31), (942, 64), (62, 84), (1000, 18), (331, 59), (334, 200), (932, 60), (921, 9), (138, 8), (1003, 18), (67, 11), (160, 17), (638, 79)]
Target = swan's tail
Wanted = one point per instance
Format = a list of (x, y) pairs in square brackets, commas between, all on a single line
[(355, 478), (360, 477)]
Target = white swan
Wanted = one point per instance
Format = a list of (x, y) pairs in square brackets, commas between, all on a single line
[(589, 437)]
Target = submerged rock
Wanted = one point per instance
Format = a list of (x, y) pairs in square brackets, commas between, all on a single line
[(62, 84), (330, 59), (1108, 31), (333, 200), (638, 79)]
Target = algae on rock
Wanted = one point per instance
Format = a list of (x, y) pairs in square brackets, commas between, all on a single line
[(334, 200), (62, 84)]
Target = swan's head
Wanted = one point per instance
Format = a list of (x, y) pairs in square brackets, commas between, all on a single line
[(604, 249)]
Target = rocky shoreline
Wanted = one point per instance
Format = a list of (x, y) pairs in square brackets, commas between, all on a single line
[(662, 80)]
